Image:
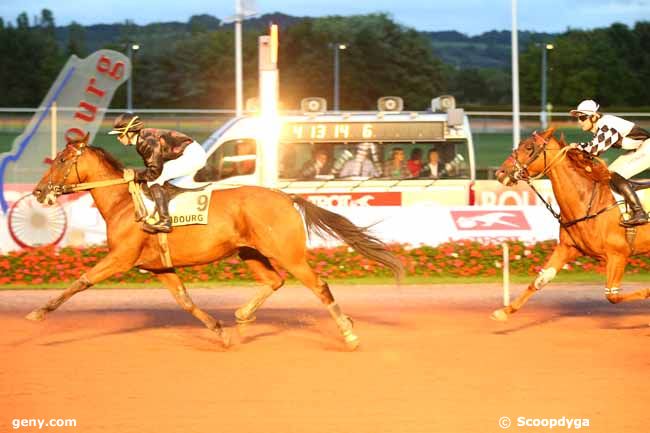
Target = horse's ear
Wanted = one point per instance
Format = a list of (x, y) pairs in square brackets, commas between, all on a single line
[(84, 141), (548, 133), (562, 139)]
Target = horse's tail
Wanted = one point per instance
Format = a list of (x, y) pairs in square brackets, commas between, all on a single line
[(324, 222)]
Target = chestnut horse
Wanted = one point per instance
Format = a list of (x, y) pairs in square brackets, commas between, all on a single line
[(589, 215), (259, 224)]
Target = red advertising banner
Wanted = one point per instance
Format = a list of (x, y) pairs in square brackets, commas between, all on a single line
[(354, 199)]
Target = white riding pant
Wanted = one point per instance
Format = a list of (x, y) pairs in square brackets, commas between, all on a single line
[(632, 163), (192, 160)]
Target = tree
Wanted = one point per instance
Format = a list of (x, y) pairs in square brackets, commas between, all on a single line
[(382, 58), (76, 40), (22, 22)]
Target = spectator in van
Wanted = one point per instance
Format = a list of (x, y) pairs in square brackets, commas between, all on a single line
[(361, 165), (287, 164), (317, 166), (414, 163), (433, 169), (396, 166)]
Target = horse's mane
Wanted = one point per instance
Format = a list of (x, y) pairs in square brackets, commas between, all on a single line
[(589, 166), (108, 158)]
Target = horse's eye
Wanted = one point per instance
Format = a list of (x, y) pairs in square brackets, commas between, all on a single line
[(62, 160)]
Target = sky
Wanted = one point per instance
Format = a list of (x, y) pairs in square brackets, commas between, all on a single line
[(471, 17)]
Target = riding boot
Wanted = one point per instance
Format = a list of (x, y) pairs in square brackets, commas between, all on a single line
[(164, 223), (622, 186)]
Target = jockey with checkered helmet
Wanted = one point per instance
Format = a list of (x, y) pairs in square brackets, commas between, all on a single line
[(611, 131), (167, 155)]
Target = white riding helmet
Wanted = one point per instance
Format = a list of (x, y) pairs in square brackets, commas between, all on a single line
[(588, 107)]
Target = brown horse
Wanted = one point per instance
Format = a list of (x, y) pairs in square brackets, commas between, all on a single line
[(259, 224), (589, 215)]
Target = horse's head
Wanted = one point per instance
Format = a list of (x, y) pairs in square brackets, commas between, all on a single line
[(531, 158), (68, 167)]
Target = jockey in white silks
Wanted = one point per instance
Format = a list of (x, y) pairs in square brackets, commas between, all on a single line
[(611, 131)]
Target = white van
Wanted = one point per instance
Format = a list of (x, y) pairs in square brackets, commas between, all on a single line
[(381, 158)]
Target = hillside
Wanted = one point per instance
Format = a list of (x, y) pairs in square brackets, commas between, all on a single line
[(488, 50)]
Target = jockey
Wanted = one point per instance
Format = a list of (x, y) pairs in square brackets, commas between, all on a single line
[(167, 155), (611, 131)]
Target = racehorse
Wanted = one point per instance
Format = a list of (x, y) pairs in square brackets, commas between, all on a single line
[(589, 215), (260, 225)]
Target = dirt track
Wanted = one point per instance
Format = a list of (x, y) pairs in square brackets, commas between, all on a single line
[(431, 360)]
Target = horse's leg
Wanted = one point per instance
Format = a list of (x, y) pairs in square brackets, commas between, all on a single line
[(303, 272), (175, 285), (561, 255), (615, 269), (266, 275), (112, 263)]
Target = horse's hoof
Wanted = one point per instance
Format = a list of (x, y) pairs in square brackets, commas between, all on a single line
[(224, 336), (352, 341), (499, 315), (35, 316), (242, 318), (242, 321)]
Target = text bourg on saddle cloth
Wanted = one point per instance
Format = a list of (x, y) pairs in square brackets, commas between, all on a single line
[(169, 156), (611, 131)]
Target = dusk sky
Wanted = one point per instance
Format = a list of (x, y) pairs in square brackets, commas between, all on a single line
[(467, 16)]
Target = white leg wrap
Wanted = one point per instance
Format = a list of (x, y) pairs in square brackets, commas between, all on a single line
[(544, 277), (612, 291), (341, 319), (249, 309)]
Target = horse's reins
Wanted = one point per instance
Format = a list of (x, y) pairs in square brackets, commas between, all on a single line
[(522, 174), (63, 188)]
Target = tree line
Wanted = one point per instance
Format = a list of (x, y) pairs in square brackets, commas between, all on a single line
[(191, 65)]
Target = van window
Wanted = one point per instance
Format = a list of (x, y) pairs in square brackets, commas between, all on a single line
[(420, 160), (232, 158)]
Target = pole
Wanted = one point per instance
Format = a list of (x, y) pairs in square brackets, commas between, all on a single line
[(336, 77), (129, 87), (53, 132), (516, 133), (506, 274), (239, 87), (543, 93)]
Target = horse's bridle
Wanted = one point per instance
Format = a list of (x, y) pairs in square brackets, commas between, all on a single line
[(522, 174), (63, 188)]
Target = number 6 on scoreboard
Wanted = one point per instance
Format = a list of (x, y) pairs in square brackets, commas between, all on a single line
[(366, 132)]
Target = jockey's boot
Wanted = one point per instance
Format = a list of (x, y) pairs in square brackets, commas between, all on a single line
[(622, 186), (164, 223)]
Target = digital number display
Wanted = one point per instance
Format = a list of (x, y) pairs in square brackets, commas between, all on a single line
[(293, 132)]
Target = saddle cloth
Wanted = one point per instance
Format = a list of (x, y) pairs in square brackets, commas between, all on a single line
[(187, 208)]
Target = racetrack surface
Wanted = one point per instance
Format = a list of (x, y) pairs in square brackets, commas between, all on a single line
[(430, 360)]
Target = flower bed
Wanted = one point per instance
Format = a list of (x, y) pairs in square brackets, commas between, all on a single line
[(462, 258)]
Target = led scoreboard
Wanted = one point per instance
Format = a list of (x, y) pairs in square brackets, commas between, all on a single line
[(343, 132)]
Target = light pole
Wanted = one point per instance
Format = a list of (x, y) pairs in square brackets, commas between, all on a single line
[(129, 87), (543, 115), (514, 55), (337, 47), (243, 10)]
